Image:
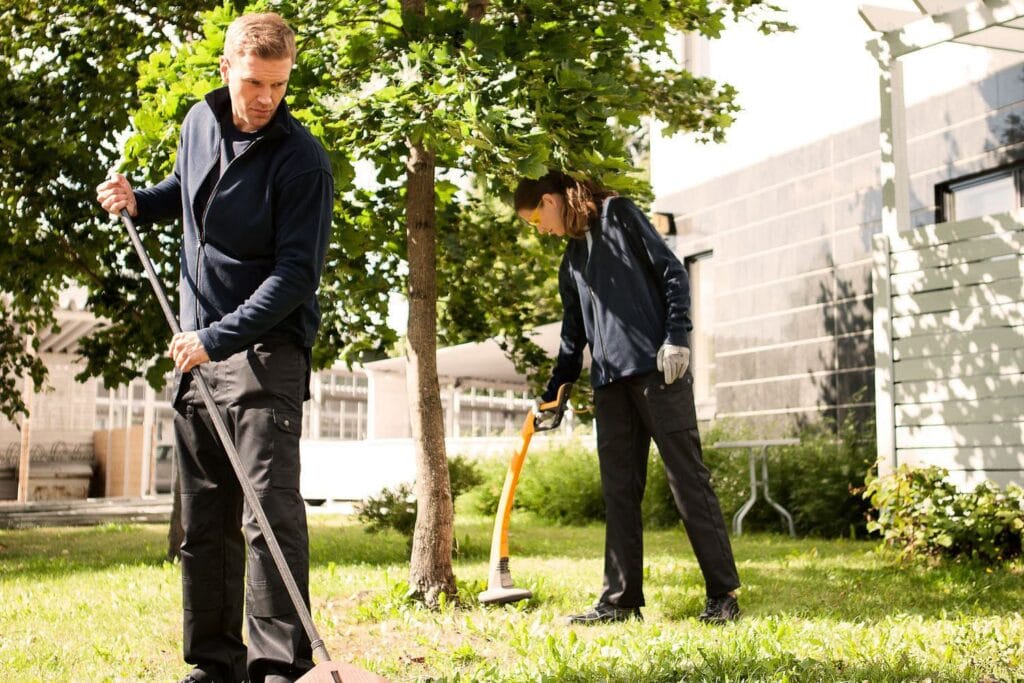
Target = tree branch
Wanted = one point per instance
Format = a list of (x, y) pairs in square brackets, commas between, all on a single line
[(476, 9), (373, 20), (74, 257)]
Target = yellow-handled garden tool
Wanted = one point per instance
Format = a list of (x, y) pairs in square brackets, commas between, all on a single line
[(500, 588)]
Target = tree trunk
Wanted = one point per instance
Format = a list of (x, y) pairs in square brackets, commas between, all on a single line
[(476, 9), (430, 570)]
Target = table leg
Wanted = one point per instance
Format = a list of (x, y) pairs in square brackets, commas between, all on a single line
[(764, 482), (737, 520)]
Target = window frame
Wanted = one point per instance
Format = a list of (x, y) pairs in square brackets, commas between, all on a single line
[(706, 405), (945, 192)]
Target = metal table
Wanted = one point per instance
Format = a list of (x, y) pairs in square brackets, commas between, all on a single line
[(756, 448)]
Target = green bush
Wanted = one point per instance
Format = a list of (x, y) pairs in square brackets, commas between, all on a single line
[(396, 508), (819, 482), (560, 485), (921, 512), (563, 485), (390, 509)]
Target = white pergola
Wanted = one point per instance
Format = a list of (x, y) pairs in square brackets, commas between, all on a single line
[(993, 24), (74, 322)]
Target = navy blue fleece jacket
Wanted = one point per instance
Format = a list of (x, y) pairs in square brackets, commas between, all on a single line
[(625, 299), (251, 263)]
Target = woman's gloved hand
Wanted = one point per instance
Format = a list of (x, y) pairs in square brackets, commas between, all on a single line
[(673, 361)]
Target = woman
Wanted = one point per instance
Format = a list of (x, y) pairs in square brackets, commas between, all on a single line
[(625, 294)]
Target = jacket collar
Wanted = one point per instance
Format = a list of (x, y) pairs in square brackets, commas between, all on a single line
[(219, 101)]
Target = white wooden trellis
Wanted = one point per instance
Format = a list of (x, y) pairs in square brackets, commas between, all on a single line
[(949, 298)]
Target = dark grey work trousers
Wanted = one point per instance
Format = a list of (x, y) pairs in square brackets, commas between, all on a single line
[(259, 393), (629, 413)]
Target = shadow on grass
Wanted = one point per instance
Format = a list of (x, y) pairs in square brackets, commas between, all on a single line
[(53, 552), (805, 578), (865, 588), (756, 666)]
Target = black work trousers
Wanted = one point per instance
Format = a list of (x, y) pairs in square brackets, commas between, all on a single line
[(629, 412), (259, 393)]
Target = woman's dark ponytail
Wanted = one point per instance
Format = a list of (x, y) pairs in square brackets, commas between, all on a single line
[(582, 198)]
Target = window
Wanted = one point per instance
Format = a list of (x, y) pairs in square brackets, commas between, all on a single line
[(700, 269), (979, 195), (342, 419), (102, 416), (330, 418)]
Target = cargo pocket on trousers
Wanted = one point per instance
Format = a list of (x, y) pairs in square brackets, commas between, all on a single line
[(268, 601), (671, 405), (284, 471)]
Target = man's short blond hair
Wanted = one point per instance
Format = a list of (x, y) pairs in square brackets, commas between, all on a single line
[(264, 35)]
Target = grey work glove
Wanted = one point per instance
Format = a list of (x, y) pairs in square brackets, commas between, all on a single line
[(537, 403), (673, 361)]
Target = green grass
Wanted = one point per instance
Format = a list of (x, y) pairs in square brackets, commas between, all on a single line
[(100, 604)]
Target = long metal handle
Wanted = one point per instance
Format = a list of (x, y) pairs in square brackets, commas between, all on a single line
[(248, 491)]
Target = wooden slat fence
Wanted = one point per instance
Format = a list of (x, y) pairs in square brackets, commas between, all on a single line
[(949, 347)]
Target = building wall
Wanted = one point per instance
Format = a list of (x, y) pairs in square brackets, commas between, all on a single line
[(806, 85), (62, 414), (791, 243)]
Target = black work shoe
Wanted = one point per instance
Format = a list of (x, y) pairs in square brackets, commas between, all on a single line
[(603, 613), (199, 676), (720, 609)]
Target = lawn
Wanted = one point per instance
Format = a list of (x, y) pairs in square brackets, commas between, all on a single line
[(100, 604)]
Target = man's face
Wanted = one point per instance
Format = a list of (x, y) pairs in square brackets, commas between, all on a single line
[(257, 87)]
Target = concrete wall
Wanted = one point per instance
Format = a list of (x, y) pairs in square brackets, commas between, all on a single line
[(64, 411), (791, 238)]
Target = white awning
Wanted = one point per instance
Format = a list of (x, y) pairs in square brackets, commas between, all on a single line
[(74, 321), (483, 361)]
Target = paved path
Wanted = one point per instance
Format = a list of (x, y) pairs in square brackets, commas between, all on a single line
[(84, 512)]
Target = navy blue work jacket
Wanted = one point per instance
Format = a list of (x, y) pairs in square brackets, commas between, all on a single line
[(251, 263), (624, 299)]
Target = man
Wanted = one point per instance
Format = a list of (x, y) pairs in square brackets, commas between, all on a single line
[(254, 191), (625, 294)]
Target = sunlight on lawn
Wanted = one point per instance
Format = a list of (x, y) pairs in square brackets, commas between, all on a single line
[(100, 604)]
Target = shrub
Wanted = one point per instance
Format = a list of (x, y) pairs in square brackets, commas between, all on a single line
[(921, 512), (560, 485), (390, 509), (396, 508), (819, 482)]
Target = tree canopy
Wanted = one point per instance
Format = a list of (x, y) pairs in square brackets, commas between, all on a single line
[(532, 85), (67, 87)]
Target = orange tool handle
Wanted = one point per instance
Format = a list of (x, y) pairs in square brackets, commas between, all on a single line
[(499, 540)]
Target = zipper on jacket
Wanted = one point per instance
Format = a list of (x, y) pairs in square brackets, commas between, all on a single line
[(593, 302), (213, 192), (206, 211), (199, 258), (597, 327), (591, 243)]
